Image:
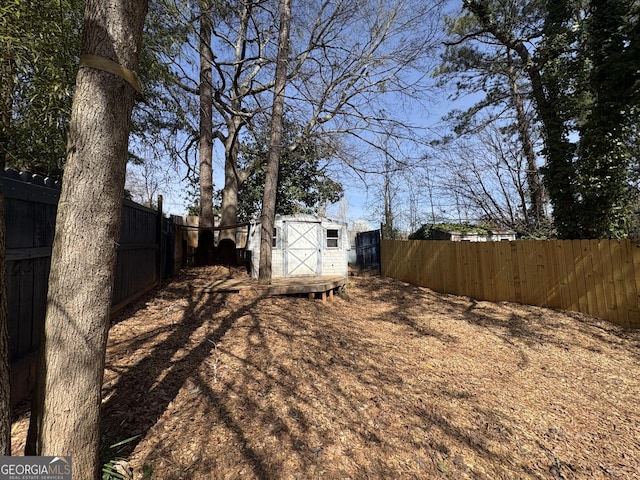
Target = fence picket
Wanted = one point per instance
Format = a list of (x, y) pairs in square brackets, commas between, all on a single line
[(628, 277), (581, 289), (598, 278), (592, 301), (618, 282), (634, 317), (554, 296)]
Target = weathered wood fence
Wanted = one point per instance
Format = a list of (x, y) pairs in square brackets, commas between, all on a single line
[(146, 239), (368, 249), (597, 277)]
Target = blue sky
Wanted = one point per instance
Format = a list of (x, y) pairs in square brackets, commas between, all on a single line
[(361, 202)]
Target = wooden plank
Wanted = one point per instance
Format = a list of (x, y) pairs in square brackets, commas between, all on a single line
[(475, 272), (527, 277), (18, 190), (19, 224), (460, 266), (580, 282), (502, 251), (16, 254), (449, 268), (25, 309), (563, 274), (570, 272), (611, 314), (598, 278), (540, 273), (491, 250), (618, 282), (628, 278), (42, 267), (385, 259), (634, 320), (589, 278), (515, 272), (421, 259), (554, 296), (433, 264), (13, 307)]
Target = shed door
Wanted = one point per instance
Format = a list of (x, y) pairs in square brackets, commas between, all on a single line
[(302, 249)]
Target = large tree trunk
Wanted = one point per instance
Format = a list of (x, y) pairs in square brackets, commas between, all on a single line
[(205, 237), (6, 85), (229, 210), (5, 376), (534, 184), (87, 229), (275, 138)]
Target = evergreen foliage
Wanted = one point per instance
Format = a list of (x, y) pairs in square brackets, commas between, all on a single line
[(581, 64), (304, 183), (40, 52)]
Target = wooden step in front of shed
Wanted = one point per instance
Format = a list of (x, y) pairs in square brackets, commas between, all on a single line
[(322, 286)]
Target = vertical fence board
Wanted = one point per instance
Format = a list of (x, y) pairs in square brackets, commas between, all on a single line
[(488, 271), (608, 283), (634, 320), (42, 267), (25, 309), (13, 307), (569, 268), (581, 289), (589, 278), (461, 267), (515, 273), (525, 281), (554, 297), (618, 282), (598, 278), (451, 273), (628, 277), (540, 273)]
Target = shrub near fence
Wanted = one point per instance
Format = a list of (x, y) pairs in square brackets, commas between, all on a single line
[(596, 277)]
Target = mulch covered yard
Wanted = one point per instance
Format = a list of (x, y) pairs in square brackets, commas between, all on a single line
[(387, 381)]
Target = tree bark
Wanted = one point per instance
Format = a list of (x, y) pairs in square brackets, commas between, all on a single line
[(5, 375), (205, 237), (273, 162), (534, 184), (232, 182), (6, 64), (87, 231)]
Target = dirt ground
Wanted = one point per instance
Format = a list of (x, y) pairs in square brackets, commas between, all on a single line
[(388, 381)]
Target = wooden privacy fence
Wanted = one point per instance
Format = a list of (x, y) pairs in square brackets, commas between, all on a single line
[(30, 214), (597, 277)]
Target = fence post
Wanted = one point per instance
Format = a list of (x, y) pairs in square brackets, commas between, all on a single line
[(160, 253)]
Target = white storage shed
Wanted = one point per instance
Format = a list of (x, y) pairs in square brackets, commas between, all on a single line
[(303, 246)]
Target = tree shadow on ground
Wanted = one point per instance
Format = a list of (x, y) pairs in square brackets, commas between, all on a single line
[(289, 387), (537, 326), (141, 392)]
